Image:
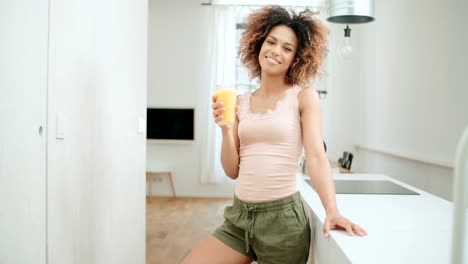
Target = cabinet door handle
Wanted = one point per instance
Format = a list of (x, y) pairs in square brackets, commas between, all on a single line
[(40, 130)]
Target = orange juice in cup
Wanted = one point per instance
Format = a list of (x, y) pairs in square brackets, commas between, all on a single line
[(228, 96)]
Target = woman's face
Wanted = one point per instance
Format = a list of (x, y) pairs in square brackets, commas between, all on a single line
[(278, 50)]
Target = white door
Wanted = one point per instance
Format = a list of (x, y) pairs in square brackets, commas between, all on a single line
[(23, 111)]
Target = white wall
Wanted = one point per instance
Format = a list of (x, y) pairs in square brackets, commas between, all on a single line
[(342, 105), (96, 174), (412, 92), (403, 92), (177, 69)]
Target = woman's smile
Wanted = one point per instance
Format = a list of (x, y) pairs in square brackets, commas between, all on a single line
[(272, 60)]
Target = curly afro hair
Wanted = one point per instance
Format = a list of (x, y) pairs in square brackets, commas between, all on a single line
[(310, 33)]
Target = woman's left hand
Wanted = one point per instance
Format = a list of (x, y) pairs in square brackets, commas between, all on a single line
[(337, 221)]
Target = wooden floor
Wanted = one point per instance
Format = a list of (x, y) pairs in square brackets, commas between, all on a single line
[(175, 225)]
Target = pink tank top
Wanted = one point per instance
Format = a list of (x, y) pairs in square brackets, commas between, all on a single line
[(270, 149)]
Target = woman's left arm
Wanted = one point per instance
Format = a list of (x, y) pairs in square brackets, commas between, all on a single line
[(318, 164)]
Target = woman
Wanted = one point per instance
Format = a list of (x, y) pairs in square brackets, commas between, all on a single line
[(262, 149)]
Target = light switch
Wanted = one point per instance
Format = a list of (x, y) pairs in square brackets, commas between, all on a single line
[(60, 132), (141, 125)]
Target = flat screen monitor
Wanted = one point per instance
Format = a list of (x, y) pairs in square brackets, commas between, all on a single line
[(170, 123)]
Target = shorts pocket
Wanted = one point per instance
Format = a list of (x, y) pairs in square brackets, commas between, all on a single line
[(297, 222), (291, 218), (234, 216), (227, 212)]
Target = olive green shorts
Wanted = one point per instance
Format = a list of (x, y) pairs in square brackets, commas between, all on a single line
[(269, 232)]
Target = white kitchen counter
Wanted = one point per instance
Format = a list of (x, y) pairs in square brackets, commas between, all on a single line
[(401, 228)]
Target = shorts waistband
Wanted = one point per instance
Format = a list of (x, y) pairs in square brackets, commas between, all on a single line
[(270, 205)]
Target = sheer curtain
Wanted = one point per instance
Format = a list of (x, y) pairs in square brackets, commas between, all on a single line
[(222, 47)]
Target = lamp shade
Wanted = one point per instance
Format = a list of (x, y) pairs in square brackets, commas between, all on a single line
[(350, 11)]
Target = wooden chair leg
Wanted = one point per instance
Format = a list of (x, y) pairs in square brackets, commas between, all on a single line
[(150, 191), (172, 185), (150, 177)]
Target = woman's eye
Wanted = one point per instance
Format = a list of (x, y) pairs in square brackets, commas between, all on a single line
[(270, 42), (288, 49)]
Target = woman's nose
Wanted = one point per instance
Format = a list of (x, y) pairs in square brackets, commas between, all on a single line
[(276, 50)]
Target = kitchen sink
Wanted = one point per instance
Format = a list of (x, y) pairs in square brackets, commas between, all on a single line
[(368, 187)]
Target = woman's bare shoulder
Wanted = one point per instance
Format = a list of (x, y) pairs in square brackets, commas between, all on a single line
[(307, 97)]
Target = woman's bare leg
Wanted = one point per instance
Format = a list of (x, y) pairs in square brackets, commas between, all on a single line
[(213, 251)]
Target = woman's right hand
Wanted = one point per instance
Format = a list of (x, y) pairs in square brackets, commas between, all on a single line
[(218, 111)]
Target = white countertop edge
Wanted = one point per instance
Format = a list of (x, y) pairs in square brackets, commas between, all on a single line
[(355, 249)]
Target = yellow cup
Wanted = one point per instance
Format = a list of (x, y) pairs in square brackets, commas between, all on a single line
[(228, 97)]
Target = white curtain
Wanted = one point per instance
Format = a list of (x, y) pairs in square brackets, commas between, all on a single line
[(222, 47)]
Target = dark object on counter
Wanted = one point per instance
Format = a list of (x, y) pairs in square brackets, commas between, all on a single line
[(346, 160)]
